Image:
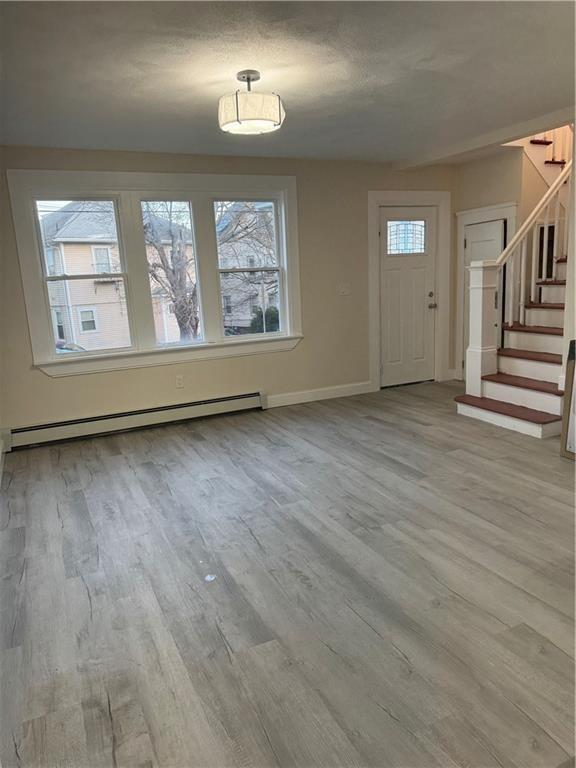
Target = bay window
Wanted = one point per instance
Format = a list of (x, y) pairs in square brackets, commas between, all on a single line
[(130, 269)]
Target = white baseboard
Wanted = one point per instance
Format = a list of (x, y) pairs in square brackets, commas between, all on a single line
[(124, 421), (323, 393)]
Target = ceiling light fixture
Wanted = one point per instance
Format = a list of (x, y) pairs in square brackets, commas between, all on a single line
[(250, 112)]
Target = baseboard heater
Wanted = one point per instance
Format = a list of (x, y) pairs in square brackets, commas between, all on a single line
[(120, 422)]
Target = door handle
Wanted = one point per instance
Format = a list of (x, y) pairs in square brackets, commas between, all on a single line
[(433, 305)]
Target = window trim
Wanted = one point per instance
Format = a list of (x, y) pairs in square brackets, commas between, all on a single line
[(127, 190)]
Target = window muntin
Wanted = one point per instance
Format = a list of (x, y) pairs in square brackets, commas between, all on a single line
[(170, 253), (249, 266), (406, 236)]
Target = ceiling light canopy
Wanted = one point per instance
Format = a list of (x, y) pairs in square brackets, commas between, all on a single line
[(250, 112)]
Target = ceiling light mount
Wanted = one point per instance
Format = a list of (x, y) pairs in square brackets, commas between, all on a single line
[(248, 76), (250, 112)]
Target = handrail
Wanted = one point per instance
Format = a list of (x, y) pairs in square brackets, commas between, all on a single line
[(529, 222)]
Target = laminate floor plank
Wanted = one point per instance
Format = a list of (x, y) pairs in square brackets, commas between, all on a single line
[(372, 581)]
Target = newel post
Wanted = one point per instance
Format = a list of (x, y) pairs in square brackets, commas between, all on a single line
[(481, 355)]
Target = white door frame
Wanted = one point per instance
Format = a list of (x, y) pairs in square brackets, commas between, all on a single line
[(441, 201), (506, 211)]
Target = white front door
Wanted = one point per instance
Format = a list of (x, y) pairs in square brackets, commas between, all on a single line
[(407, 294), (483, 241)]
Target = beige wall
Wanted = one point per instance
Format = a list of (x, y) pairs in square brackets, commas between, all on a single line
[(332, 211), (489, 180), (534, 187)]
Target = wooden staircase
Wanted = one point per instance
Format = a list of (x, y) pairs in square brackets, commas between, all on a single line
[(514, 361)]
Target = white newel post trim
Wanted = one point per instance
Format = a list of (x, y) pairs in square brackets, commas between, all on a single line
[(481, 355)]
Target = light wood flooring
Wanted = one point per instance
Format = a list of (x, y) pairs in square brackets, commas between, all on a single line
[(371, 581)]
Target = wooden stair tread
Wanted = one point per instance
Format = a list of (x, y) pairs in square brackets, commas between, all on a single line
[(508, 409), (544, 305), (551, 282), (524, 383), (528, 354), (544, 329)]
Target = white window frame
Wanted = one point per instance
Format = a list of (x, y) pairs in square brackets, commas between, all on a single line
[(127, 190), (94, 263), (80, 321), (279, 269)]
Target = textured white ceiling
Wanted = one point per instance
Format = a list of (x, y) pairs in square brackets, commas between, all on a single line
[(377, 80)]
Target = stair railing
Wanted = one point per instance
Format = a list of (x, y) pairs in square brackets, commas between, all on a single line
[(530, 257), (543, 235)]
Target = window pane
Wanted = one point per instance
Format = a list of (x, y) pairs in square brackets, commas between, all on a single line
[(102, 326), (72, 230), (246, 234), (406, 237), (250, 302), (102, 259), (172, 269)]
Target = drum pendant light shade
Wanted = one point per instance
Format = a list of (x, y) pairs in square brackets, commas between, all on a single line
[(250, 112)]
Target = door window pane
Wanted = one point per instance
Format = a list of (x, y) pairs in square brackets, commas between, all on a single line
[(172, 270), (246, 234), (406, 237), (77, 328), (73, 231), (250, 302)]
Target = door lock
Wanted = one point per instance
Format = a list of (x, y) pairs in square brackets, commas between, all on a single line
[(433, 305)]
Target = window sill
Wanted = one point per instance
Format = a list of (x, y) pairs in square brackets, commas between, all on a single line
[(116, 361)]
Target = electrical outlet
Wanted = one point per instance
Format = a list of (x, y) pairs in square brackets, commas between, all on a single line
[(344, 289), (179, 382)]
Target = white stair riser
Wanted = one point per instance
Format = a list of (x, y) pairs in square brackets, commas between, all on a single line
[(518, 425), (530, 369), (551, 318), (529, 398), (561, 271), (553, 293), (535, 342)]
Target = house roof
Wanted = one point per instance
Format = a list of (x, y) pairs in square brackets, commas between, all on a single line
[(93, 221)]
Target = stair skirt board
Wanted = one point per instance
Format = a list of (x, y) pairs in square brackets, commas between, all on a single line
[(535, 342), (120, 422), (509, 422), (552, 318), (529, 398), (552, 293)]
